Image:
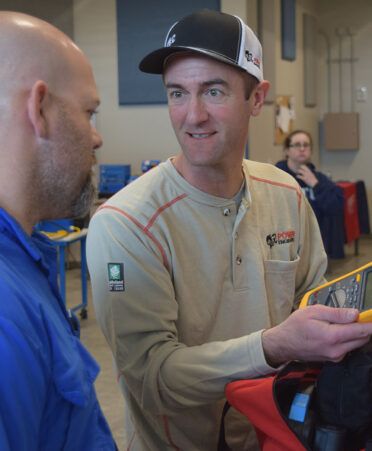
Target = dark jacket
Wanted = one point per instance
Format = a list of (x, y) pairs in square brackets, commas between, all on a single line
[(327, 200)]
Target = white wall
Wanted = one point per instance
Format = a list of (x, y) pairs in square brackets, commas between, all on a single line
[(289, 81), (357, 15), (130, 134)]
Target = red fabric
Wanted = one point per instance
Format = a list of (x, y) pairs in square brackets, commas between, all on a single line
[(350, 211), (254, 399)]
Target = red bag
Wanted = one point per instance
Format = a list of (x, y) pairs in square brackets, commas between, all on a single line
[(266, 402), (337, 414)]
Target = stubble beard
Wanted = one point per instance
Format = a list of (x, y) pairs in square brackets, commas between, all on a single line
[(82, 204), (56, 196), (69, 138)]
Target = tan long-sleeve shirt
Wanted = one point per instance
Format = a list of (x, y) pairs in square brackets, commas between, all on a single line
[(183, 285)]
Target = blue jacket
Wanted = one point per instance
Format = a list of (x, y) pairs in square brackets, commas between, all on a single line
[(47, 396), (327, 200)]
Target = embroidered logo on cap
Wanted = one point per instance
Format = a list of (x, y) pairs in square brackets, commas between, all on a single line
[(252, 59), (171, 40), (116, 276)]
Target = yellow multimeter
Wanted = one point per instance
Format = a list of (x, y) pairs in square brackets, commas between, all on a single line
[(352, 290)]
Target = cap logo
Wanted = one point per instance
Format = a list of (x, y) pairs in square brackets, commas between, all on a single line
[(171, 40), (248, 55), (252, 59)]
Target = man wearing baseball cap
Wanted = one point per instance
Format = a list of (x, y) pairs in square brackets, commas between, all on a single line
[(197, 265)]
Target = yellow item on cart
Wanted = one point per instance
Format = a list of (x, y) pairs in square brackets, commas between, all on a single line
[(60, 233)]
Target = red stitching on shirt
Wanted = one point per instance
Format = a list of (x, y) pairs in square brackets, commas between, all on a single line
[(161, 209), (131, 441), (133, 433), (168, 433), (282, 185), (138, 224)]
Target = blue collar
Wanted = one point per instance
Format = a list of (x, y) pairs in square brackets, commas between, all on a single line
[(38, 246)]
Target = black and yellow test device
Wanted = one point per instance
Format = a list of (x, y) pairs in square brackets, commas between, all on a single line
[(352, 290)]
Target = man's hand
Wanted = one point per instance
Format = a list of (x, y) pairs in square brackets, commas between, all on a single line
[(307, 176), (315, 333)]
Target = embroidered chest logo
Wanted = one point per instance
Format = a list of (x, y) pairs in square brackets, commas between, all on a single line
[(116, 276), (280, 238)]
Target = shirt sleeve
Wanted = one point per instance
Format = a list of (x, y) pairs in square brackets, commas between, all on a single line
[(21, 389), (140, 324), (4, 442)]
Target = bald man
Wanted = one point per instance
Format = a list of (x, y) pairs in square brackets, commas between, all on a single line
[(47, 98)]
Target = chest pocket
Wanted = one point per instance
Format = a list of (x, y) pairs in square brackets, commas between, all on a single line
[(280, 288), (74, 373), (73, 417)]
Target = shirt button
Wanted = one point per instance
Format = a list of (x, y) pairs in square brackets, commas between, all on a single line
[(235, 235), (227, 212), (238, 260)]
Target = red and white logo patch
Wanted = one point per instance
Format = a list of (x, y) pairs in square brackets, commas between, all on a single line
[(280, 238)]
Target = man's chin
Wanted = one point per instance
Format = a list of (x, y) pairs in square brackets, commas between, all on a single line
[(82, 205)]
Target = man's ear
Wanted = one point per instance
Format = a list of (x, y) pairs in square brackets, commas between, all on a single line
[(260, 93), (36, 107)]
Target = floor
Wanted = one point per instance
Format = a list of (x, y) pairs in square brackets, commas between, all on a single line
[(351, 261), (107, 388)]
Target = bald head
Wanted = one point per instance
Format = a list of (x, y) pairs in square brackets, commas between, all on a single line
[(47, 98), (31, 50)]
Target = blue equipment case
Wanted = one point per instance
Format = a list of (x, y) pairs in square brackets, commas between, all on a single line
[(113, 177)]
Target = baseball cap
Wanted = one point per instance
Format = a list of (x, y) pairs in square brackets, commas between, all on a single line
[(217, 35)]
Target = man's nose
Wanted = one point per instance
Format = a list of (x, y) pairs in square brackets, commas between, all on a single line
[(97, 139), (197, 112)]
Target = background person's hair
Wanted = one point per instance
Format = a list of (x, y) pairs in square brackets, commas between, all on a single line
[(288, 139)]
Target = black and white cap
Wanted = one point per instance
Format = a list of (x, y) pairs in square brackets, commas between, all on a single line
[(217, 35)]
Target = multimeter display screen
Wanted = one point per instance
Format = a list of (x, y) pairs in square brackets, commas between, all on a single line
[(368, 292)]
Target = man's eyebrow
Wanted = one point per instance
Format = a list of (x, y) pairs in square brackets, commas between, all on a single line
[(173, 86), (213, 81)]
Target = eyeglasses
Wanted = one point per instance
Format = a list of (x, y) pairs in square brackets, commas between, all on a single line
[(299, 145)]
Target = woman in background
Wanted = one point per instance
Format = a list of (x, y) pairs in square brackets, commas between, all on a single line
[(325, 197)]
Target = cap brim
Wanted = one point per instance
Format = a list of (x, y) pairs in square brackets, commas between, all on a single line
[(153, 63)]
